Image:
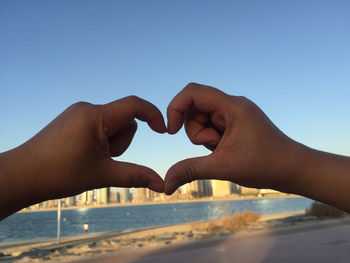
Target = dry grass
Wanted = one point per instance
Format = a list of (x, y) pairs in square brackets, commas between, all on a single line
[(322, 210), (238, 221)]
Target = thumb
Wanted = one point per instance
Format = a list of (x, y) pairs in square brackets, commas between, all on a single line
[(189, 170), (124, 174)]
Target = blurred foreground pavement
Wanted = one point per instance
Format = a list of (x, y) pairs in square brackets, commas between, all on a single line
[(327, 241)]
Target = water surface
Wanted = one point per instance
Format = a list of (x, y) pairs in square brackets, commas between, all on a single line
[(32, 225)]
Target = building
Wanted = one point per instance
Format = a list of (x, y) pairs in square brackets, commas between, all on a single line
[(80, 200), (50, 203), (144, 195), (104, 195), (72, 201), (197, 188), (87, 198), (190, 188), (140, 195), (249, 191), (149, 195), (221, 188), (235, 188), (115, 196), (205, 188), (69, 201), (126, 196)]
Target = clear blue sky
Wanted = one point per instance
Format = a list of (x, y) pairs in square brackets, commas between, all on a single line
[(291, 57)]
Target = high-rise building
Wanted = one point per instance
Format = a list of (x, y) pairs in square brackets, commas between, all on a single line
[(221, 188), (235, 188), (104, 195), (115, 196), (205, 188), (81, 199), (140, 195), (69, 201), (126, 196), (191, 188), (198, 188), (87, 197), (149, 194), (84, 198), (51, 203), (72, 201), (143, 195), (90, 196)]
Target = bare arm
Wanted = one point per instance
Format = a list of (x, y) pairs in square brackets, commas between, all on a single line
[(73, 154), (248, 149)]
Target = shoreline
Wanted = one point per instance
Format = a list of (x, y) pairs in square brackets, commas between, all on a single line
[(96, 244), (209, 199), (133, 231)]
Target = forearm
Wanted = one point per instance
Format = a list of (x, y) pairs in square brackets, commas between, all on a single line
[(17, 191), (6, 184), (324, 177)]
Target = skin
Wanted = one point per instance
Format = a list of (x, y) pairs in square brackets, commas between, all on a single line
[(73, 154), (248, 149)]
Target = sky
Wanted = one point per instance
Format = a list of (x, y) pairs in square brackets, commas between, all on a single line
[(292, 58)]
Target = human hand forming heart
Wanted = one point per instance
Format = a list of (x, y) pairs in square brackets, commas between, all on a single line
[(74, 152), (247, 148)]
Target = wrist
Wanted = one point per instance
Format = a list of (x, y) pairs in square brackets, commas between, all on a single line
[(325, 178), (7, 190), (305, 174), (18, 190)]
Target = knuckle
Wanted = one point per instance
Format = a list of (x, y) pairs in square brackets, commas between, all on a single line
[(84, 111), (191, 86), (134, 101), (242, 99), (189, 173), (80, 104), (244, 103), (133, 98), (80, 107), (196, 87)]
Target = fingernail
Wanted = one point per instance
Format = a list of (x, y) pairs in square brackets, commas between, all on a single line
[(156, 187), (170, 130), (163, 129), (173, 187)]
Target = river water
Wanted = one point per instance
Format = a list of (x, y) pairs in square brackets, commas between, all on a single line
[(32, 225)]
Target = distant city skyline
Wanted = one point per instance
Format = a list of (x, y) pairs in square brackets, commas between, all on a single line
[(195, 190)]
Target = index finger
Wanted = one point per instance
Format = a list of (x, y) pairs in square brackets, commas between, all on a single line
[(119, 113), (205, 98)]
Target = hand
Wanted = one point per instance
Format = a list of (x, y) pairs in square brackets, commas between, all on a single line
[(247, 148), (73, 153)]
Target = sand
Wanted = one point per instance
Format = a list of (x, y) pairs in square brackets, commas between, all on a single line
[(100, 243)]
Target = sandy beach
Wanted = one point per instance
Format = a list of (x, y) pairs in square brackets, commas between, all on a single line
[(95, 244)]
